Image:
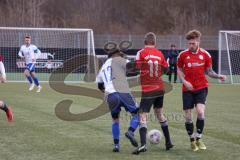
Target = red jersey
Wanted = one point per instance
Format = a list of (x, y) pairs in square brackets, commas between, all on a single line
[(194, 66), (1, 58), (150, 62)]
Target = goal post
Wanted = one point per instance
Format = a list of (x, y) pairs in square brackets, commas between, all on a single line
[(229, 55), (57, 45)]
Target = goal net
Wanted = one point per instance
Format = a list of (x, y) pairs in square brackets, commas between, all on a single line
[(58, 46), (229, 55)]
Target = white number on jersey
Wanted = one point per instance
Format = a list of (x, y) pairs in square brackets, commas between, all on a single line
[(153, 68), (107, 74)]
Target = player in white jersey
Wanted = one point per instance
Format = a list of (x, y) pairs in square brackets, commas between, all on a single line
[(30, 53), (3, 106), (2, 71), (113, 82)]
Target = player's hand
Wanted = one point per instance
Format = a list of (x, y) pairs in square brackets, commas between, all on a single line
[(188, 85), (33, 60), (222, 77), (2, 79)]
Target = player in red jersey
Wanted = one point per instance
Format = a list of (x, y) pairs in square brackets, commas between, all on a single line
[(192, 64), (151, 64)]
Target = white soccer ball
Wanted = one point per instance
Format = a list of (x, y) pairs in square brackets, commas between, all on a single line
[(154, 136)]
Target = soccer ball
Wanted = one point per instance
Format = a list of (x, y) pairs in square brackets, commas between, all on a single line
[(154, 136)]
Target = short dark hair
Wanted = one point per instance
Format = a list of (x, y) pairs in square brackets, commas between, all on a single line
[(150, 39), (193, 34), (28, 36)]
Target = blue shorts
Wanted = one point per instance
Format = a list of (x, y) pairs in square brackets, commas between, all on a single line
[(117, 100), (30, 67)]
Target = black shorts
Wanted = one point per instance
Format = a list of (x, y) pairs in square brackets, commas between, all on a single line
[(190, 99), (147, 102)]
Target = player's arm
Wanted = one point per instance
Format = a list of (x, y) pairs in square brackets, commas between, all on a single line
[(37, 52), (181, 74), (131, 69), (33, 56), (209, 70), (101, 87), (211, 73), (165, 70), (20, 53), (100, 83), (164, 65)]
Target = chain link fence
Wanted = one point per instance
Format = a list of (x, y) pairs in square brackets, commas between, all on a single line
[(163, 42)]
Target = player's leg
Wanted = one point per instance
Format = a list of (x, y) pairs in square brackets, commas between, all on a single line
[(35, 79), (131, 106), (28, 76), (170, 74), (143, 132), (158, 109), (144, 109), (190, 129), (134, 122), (200, 125), (188, 104), (175, 73), (113, 101), (7, 110), (116, 131), (200, 108)]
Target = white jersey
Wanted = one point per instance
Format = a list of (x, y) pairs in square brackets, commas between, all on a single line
[(2, 70), (113, 75), (29, 53)]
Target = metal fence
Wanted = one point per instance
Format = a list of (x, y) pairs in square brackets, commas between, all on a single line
[(163, 42)]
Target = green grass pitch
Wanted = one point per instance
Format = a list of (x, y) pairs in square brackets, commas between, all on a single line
[(37, 133)]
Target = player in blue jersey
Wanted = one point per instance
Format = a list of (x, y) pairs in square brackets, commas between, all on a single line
[(113, 82), (30, 53)]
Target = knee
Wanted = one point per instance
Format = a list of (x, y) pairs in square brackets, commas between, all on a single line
[(162, 118), (3, 79), (115, 117), (26, 72), (200, 114), (135, 116), (160, 115), (32, 74), (115, 120), (200, 111), (188, 116), (1, 104), (143, 120)]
